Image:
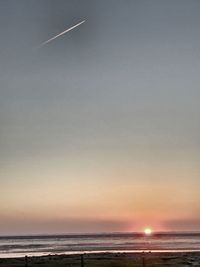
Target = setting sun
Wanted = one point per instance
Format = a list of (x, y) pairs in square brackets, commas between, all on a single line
[(147, 231)]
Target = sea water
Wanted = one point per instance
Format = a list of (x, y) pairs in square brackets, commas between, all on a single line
[(18, 246)]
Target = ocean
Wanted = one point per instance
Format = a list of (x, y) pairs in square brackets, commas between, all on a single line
[(18, 246)]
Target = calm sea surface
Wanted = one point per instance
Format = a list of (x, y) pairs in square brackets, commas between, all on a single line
[(59, 244)]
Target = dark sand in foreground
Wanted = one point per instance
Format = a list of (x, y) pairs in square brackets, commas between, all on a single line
[(109, 259)]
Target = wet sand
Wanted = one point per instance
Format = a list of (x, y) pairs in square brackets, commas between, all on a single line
[(174, 259)]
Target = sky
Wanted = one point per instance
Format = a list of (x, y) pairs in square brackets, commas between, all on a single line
[(100, 127)]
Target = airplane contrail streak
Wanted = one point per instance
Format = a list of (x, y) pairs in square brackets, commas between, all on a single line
[(53, 38)]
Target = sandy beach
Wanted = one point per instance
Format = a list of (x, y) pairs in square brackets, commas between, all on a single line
[(109, 259)]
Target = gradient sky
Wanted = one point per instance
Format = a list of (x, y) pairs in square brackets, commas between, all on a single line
[(100, 128)]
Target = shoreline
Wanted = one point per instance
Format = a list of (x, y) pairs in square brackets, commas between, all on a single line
[(98, 252), (81, 252)]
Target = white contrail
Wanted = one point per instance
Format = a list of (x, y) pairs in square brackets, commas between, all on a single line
[(53, 38)]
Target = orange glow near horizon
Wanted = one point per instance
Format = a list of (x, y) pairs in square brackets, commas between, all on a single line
[(148, 231)]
